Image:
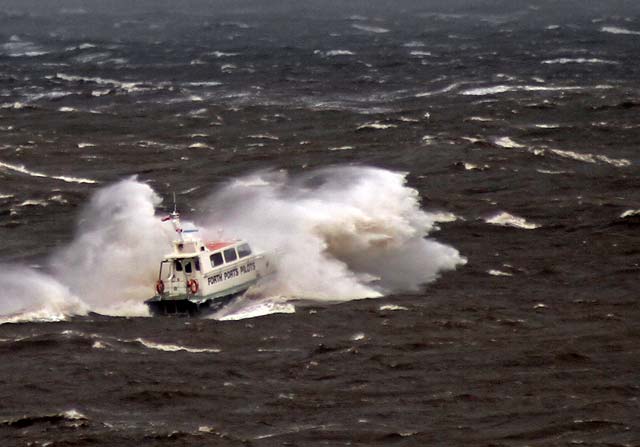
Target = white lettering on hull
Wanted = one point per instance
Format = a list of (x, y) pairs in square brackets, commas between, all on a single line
[(232, 273)]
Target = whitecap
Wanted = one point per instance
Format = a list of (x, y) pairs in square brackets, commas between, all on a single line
[(550, 172), (630, 213), (498, 273), (509, 220), (173, 348), (332, 53), (58, 199), (204, 83), (127, 86), (264, 136), (579, 60), (21, 169), (341, 148), (67, 109), (370, 28), (481, 119), (199, 146), (617, 162), (85, 145), (507, 143), (591, 158), (497, 89), (32, 202), (256, 310), (446, 89), (617, 30), (376, 126), (421, 53), (19, 48), (13, 105), (392, 307), (474, 167), (221, 54)]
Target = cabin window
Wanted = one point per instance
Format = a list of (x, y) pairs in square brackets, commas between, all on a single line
[(187, 267), (216, 259), (244, 250), (197, 263), (230, 255), (178, 266)]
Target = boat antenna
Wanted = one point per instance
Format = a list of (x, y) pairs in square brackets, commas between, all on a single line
[(175, 206)]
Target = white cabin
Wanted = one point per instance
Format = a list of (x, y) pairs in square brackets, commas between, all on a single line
[(199, 275)]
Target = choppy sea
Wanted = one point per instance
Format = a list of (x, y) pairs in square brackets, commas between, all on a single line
[(451, 190)]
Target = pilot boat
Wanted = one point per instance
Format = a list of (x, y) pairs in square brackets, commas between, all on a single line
[(200, 277)]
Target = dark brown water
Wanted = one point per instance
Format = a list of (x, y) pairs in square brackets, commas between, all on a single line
[(531, 112)]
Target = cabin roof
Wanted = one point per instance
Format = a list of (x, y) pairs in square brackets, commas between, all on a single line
[(218, 245)]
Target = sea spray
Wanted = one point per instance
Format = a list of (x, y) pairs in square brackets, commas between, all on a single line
[(112, 263), (336, 234), (340, 233), (26, 294)]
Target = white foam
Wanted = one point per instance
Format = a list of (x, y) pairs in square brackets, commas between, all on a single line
[(630, 213), (498, 89), (259, 308), (420, 53), (113, 261), (28, 295), (579, 60), (173, 348), (617, 30), (445, 89), (509, 220), (591, 158), (480, 119), (21, 169), (13, 105), (336, 234), (19, 48), (370, 28), (376, 126), (331, 223), (205, 84), (32, 202), (508, 143), (222, 54), (333, 53), (550, 172), (341, 148), (199, 146), (127, 86), (474, 167), (392, 307), (264, 136), (498, 273)]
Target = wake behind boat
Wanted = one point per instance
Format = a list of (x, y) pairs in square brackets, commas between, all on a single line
[(200, 277)]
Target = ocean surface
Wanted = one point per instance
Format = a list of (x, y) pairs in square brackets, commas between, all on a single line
[(451, 191)]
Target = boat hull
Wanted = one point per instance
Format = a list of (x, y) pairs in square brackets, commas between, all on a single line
[(194, 305)]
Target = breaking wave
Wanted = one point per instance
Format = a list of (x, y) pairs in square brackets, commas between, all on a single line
[(337, 234)]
